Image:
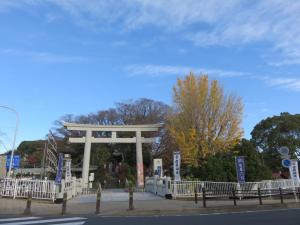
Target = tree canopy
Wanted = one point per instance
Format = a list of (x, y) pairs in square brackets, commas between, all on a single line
[(274, 132), (205, 120)]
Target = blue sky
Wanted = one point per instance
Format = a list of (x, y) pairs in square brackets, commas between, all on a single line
[(61, 56)]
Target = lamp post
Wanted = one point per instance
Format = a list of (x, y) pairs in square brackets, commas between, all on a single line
[(15, 136)]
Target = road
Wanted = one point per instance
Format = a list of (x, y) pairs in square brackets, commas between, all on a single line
[(274, 217)]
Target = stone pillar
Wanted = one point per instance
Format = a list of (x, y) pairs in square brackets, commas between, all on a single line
[(86, 158), (139, 160)]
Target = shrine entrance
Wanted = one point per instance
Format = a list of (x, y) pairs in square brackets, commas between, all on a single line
[(90, 138)]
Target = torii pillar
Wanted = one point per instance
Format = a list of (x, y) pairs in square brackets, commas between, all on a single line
[(139, 160), (89, 139)]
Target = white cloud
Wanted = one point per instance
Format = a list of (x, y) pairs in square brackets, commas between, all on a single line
[(205, 23), (45, 57), (288, 83), (167, 70)]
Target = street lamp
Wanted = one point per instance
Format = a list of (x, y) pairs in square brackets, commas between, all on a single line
[(15, 136)]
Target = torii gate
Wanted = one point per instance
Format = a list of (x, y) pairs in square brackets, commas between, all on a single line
[(89, 139)]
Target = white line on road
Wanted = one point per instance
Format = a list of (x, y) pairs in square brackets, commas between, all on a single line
[(46, 221), (72, 223), (18, 219)]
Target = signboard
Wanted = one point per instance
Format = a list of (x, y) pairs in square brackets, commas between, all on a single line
[(15, 163), (59, 168), (2, 166), (68, 170), (92, 177), (294, 172), (176, 166), (157, 167), (240, 169)]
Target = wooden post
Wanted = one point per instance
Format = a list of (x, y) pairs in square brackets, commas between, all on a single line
[(98, 199), (234, 197), (64, 204), (281, 196), (204, 197), (131, 198), (27, 210), (259, 196), (196, 195)]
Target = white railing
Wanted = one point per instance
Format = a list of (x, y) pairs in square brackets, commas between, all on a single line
[(163, 186), (40, 189), (20, 188)]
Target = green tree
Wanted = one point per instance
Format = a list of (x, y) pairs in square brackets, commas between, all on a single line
[(272, 133), (255, 168), (221, 167)]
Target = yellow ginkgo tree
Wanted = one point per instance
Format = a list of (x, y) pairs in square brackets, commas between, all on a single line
[(205, 121)]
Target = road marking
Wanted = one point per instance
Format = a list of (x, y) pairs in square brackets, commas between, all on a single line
[(48, 221), (18, 219), (72, 223)]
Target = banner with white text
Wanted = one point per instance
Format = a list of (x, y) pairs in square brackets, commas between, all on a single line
[(176, 166)]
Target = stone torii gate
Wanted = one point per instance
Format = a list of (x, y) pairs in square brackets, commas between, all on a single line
[(89, 139)]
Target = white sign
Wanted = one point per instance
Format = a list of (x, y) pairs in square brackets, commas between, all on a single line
[(176, 166), (157, 167), (68, 170), (91, 177), (294, 171)]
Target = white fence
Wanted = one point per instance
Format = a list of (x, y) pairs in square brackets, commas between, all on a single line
[(20, 188), (40, 189), (164, 186)]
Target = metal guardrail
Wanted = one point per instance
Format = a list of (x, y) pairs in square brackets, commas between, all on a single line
[(164, 186), (224, 189)]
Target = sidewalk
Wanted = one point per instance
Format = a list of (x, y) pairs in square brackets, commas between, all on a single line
[(142, 207)]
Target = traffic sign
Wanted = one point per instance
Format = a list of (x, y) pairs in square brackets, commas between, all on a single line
[(284, 151), (286, 163)]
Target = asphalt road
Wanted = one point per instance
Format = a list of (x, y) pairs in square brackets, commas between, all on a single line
[(274, 217)]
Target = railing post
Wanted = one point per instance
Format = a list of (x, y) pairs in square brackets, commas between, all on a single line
[(259, 196), (196, 194), (175, 189), (204, 197), (27, 210), (64, 204), (131, 198), (234, 197), (281, 196), (16, 187), (98, 199)]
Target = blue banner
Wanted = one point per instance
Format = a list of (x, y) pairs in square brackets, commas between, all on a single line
[(240, 169), (59, 168), (15, 163)]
